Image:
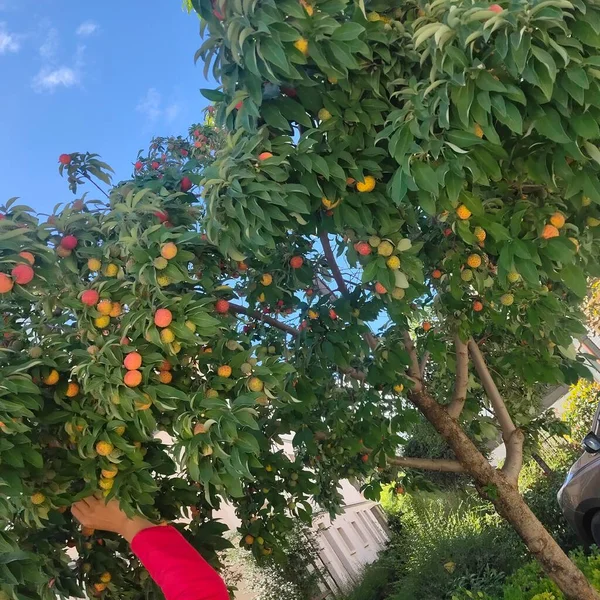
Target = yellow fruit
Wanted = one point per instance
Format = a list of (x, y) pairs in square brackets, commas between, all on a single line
[(224, 371), (106, 484), (163, 280), (176, 347), (167, 336), (367, 185), (398, 388), (120, 430), (507, 299), (168, 250), (329, 204), (466, 275), (310, 11), (266, 279), (302, 46), (261, 297), (191, 326), (513, 277), (105, 577), (385, 248), (115, 310), (463, 212), (165, 377), (38, 498), (374, 241), (212, 393), (104, 307), (111, 270), (478, 131), (558, 220), (104, 448), (393, 262), (255, 384), (474, 261), (575, 243), (94, 264), (480, 234), (324, 114), (592, 221), (312, 314), (586, 201), (52, 377), (72, 390), (373, 17), (160, 263), (102, 322), (110, 472)]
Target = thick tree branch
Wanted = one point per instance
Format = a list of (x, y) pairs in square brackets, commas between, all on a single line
[(254, 314), (513, 437), (424, 361), (428, 464), (462, 377), (414, 370), (332, 262)]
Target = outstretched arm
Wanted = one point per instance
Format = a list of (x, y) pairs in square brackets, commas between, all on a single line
[(172, 562)]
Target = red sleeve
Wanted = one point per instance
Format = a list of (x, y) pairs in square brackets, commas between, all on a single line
[(176, 566)]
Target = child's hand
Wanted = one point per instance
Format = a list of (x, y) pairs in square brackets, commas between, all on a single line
[(97, 514)]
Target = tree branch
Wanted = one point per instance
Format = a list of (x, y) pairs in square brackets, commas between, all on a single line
[(254, 314), (332, 262), (424, 361), (428, 464), (512, 436), (462, 377), (97, 186), (414, 370)]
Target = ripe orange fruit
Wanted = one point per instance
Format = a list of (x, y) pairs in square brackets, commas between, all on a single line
[(110, 472), (6, 283), (249, 539), (550, 231), (63, 252), (72, 390), (105, 577), (104, 448), (167, 336), (367, 185), (94, 264), (165, 365), (296, 262), (168, 250), (90, 297), (558, 220), (266, 279), (30, 258), (380, 288), (224, 371), (100, 587), (313, 314), (116, 310), (302, 45), (477, 306), (200, 428), (426, 326), (104, 307), (474, 261), (436, 274), (222, 306), (163, 317), (463, 212), (38, 498), (22, 274), (133, 361), (132, 378), (52, 377), (165, 376), (265, 155), (143, 405), (255, 384)]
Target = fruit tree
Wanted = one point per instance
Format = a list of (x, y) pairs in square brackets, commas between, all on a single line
[(423, 181)]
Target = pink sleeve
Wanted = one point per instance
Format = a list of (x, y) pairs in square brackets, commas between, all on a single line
[(176, 566)]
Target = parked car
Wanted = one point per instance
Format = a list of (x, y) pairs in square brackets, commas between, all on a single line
[(579, 496)]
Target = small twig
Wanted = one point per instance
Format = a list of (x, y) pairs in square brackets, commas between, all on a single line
[(94, 183), (236, 308)]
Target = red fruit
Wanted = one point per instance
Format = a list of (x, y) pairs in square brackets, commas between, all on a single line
[(90, 297), (155, 165), (332, 314), (64, 159), (310, 292), (265, 155), (447, 232), (218, 14), (161, 215), (125, 341), (288, 91), (477, 306), (138, 165), (496, 8), (196, 132), (22, 274), (211, 109), (186, 184), (184, 152), (239, 105), (380, 288), (436, 274), (222, 306), (163, 317), (363, 248), (365, 458), (69, 242), (296, 262)]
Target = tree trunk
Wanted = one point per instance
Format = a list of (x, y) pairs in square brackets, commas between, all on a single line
[(504, 495)]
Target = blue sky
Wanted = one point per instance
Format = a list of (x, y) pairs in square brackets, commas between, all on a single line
[(90, 76)]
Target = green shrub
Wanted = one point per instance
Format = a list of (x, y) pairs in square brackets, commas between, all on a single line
[(581, 407)]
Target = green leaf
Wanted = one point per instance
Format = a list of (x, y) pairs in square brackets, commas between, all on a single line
[(347, 32), (425, 177), (574, 278), (550, 126)]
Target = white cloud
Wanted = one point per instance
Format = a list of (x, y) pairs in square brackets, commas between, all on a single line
[(8, 41), (87, 28), (47, 80), (149, 105), (172, 111), (49, 47)]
